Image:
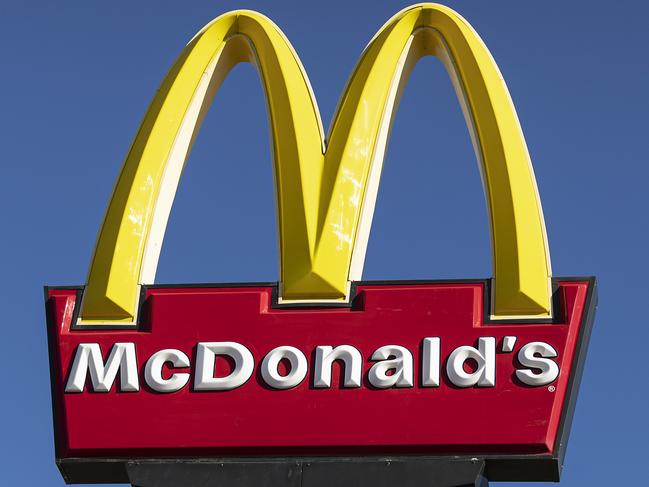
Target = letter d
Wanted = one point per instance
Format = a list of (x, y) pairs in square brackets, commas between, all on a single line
[(206, 353), (484, 356)]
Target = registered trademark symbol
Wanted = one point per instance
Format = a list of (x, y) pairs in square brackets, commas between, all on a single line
[(552, 388)]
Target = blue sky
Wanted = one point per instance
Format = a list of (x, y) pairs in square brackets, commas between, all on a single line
[(75, 81)]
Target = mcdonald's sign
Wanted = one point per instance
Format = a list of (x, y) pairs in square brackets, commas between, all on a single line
[(322, 376)]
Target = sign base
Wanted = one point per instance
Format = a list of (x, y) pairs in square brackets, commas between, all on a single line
[(356, 471), (314, 472)]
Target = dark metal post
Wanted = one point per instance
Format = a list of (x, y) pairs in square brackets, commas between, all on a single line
[(310, 472)]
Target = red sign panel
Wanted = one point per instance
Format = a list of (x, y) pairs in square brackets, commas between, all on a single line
[(409, 368)]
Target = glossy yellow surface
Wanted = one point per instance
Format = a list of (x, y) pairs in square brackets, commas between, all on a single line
[(325, 195)]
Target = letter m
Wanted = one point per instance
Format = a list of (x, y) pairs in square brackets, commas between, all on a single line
[(102, 375)]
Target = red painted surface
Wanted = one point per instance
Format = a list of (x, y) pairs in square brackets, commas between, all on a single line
[(253, 419)]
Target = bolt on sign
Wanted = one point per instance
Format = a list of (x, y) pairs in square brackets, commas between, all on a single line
[(322, 374)]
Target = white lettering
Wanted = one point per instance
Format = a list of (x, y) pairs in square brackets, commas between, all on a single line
[(88, 359), (549, 370), (484, 356), (466, 366), (153, 371), (430, 362), (271, 361), (400, 365), (206, 353), (324, 359)]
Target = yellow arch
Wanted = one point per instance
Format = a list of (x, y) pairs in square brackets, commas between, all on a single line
[(133, 229), (326, 197)]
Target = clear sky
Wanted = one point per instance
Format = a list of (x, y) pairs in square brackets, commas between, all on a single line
[(76, 78)]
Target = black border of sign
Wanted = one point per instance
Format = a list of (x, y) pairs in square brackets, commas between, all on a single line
[(530, 467)]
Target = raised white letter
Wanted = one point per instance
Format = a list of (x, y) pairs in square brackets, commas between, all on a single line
[(297, 373), (324, 359), (549, 369), (484, 355), (88, 359), (153, 371), (401, 365), (206, 353), (430, 362)]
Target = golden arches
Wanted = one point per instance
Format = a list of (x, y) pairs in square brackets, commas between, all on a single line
[(325, 197)]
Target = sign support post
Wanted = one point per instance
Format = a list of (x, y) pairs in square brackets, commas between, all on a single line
[(313, 472)]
